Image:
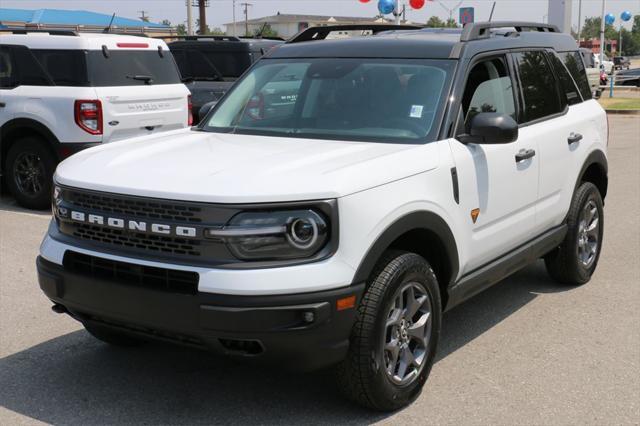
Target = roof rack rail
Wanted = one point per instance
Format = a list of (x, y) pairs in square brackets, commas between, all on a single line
[(320, 33), (261, 38), (52, 32), (197, 37), (480, 30)]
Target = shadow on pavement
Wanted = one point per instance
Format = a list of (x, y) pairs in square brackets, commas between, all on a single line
[(76, 379), (7, 203)]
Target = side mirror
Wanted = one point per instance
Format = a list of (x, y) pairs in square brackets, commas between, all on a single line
[(490, 128), (204, 109)]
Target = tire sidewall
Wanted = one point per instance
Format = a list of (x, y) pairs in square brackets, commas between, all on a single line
[(35, 146), (418, 271), (585, 193)]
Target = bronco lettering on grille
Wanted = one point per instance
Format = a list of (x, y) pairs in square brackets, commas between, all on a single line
[(132, 225)]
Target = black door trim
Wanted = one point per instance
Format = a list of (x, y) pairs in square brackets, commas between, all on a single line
[(484, 277)]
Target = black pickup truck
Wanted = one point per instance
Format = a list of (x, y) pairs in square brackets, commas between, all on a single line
[(211, 64)]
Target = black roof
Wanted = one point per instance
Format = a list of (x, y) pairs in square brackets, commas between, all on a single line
[(431, 43), (225, 43)]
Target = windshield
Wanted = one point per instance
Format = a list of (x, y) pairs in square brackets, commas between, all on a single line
[(379, 100)]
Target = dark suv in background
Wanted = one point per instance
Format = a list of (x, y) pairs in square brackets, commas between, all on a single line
[(211, 64), (621, 62)]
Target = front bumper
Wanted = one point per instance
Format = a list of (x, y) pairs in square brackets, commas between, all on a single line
[(272, 329)]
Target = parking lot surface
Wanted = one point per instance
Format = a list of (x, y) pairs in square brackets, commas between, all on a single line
[(527, 351)]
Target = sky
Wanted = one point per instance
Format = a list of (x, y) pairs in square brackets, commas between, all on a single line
[(220, 11)]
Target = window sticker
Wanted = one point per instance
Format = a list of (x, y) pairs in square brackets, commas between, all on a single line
[(416, 111)]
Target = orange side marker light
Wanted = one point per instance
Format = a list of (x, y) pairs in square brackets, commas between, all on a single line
[(346, 303)]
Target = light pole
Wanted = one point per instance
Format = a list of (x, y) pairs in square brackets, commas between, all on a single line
[(579, 19), (602, 23), (189, 19), (234, 19)]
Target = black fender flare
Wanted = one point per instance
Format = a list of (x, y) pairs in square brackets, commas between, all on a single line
[(30, 124), (600, 159), (418, 220)]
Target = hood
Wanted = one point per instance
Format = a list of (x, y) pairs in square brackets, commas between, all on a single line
[(229, 168)]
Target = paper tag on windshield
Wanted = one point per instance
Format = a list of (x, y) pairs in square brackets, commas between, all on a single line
[(416, 111)]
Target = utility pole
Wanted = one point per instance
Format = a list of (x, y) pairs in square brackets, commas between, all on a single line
[(143, 16), (189, 18), (202, 6), (246, 17), (450, 10)]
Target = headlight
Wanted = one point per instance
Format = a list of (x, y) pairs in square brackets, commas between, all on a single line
[(290, 234)]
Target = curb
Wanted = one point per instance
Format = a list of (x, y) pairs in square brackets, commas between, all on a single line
[(623, 111)]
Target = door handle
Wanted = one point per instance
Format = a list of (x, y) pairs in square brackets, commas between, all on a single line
[(574, 137), (524, 154)]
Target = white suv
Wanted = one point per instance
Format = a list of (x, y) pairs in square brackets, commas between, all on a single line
[(338, 200), (62, 91)]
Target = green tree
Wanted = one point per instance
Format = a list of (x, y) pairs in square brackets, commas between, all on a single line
[(451, 23), (166, 22), (202, 31), (216, 31), (435, 22), (266, 31), (181, 29)]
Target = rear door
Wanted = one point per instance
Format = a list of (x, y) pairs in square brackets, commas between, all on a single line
[(140, 90)]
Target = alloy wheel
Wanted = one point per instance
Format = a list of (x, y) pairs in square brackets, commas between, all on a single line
[(407, 333)]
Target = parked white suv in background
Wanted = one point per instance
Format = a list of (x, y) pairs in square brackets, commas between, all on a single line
[(337, 200), (62, 91)]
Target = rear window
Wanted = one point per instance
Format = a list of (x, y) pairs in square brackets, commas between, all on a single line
[(202, 64), (575, 65), (131, 68), (64, 67), (571, 93), (538, 86)]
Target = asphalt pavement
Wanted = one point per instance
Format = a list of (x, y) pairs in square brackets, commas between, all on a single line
[(526, 351)]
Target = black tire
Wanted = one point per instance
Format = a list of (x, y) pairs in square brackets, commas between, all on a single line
[(564, 263), (112, 337), (29, 168), (363, 375)]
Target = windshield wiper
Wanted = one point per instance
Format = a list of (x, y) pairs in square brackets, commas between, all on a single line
[(146, 78)]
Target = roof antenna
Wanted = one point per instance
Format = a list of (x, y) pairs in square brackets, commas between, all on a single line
[(492, 9), (108, 29)]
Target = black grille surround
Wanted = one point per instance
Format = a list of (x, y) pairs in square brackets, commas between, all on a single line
[(175, 249), (160, 279)]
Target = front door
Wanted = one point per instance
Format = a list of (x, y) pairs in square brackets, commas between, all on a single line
[(498, 184)]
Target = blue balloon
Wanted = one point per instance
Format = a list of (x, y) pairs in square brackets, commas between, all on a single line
[(609, 19), (625, 16), (386, 6)]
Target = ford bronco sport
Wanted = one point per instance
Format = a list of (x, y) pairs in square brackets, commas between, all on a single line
[(341, 197), (62, 91)]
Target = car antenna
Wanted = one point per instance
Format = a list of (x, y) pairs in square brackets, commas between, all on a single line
[(108, 29), (492, 9)]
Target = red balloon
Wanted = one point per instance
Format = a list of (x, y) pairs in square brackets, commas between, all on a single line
[(365, 1), (416, 4)]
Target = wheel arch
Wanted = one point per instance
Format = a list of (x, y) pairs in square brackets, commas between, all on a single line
[(21, 127), (595, 170), (424, 233)]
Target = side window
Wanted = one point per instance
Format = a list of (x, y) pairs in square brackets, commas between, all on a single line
[(64, 67), (538, 85), (567, 85), (488, 89), (8, 77), (30, 73), (574, 63)]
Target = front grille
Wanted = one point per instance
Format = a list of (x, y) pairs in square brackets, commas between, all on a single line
[(139, 207), (160, 279), (155, 243)]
